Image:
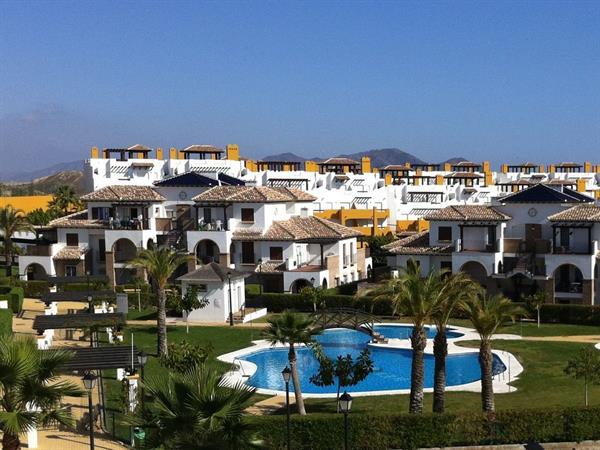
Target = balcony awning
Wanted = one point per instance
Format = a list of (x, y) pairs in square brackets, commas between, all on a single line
[(100, 358)]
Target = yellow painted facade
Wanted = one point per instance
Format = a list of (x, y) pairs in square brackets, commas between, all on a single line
[(26, 202), (94, 154), (311, 166), (581, 185), (365, 162), (159, 153), (250, 165), (412, 225), (233, 152), (353, 217)]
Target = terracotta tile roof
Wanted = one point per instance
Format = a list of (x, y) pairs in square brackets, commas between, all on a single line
[(395, 167), (270, 266), (198, 148), (253, 194), (124, 194), (339, 161), (558, 181), (568, 164), (463, 175), (466, 164), (139, 148), (467, 212), (211, 272), (417, 244), (77, 220), (520, 181), (70, 253), (579, 213), (300, 229)]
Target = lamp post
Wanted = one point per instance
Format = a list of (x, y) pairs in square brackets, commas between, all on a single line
[(230, 302), (287, 374), (89, 381), (345, 405), (142, 358)]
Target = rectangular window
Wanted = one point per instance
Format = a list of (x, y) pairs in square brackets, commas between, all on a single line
[(72, 239), (247, 252), (564, 237), (102, 250), (70, 271), (95, 214), (248, 215), (276, 253), (445, 234), (446, 265), (207, 215), (304, 212)]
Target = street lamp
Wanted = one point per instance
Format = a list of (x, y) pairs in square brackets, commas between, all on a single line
[(230, 303), (142, 358), (345, 403), (89, 381), (287, 374)]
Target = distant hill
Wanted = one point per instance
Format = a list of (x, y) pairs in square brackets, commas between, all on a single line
[(40, 173), (379, 157), (47, 184)]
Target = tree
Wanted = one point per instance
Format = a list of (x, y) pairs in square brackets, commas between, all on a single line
[(487, 314), (291, 329), (376, 244), (40, 217), (415, 297), (344, 370), (28, 377), (195, 410), (65, 200), (184, 355), (454, 289), (160, 264), (314, 295), (536, 301), (189, 302), (12, 221), (586, 365)]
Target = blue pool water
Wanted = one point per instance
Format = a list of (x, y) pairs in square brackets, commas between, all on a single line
[(404, 331), (392, 365)]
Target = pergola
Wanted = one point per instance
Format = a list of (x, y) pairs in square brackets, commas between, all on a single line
[(100, 358), (77, 296), (77, 321)]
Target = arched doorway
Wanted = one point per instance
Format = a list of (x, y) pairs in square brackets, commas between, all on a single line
[(476, 271), (298, 285), (568, 279), (150, 244), (519, 286), (207, 251), (124, 250), (36, 272), (324, 284)]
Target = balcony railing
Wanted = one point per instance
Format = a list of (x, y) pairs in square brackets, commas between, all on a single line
[(39, 250), (128, 224), (470, 246)]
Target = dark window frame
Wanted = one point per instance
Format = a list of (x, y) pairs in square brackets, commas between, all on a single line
[(246, 213), (445, 234)]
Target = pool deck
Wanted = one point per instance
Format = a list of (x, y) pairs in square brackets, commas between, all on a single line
[(501, 382)]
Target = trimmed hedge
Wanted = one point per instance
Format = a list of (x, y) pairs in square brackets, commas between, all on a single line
[(35, 288), (14, 295), (5, 321), (408, 431), (279, 302), (573, 314)]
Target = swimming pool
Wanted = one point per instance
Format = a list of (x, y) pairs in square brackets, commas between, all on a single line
[(392, 331), (392, 365)]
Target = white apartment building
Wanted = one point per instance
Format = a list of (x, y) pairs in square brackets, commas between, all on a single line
[(541, 238)]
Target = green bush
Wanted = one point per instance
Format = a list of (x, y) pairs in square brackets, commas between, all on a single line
[(5, 321), (369, 431), (93, 285), (14, 295), (35, 289), (573, 314)]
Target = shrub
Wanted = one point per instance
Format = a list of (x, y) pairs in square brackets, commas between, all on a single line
[(183, 356), (93, 285), (5, 321), (14, 295), (35, 289), (370, 431), (573, 314)]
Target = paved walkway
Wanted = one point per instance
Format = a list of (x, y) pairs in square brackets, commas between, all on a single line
[(584, 339), (53, 439)]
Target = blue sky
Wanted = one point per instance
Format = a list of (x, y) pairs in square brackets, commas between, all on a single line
[(500, 81)]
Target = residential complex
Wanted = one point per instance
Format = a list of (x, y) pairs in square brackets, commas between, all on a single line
[(292, 224)]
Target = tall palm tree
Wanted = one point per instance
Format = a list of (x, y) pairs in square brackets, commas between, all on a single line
[(455, 288), (65, 199), (28, 377), (488, 314), (195, 410), (12, 220), (290, 329), (160, 264), (417, 298)]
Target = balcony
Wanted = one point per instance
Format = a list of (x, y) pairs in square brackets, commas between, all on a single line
[(477, 246), (39, 250)]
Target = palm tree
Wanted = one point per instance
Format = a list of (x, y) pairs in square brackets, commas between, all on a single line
[(160, 264), (290, 329), (415, 297), (28, 377), (12, 220), (65, 199), (488, 314), (195, 410), (455, 288)]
